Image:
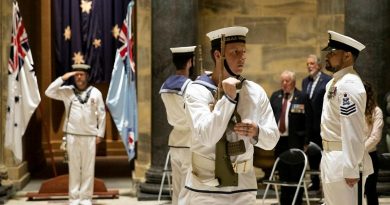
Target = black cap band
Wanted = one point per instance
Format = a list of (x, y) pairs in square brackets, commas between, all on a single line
[(216, 43), (332, 44), (183, 55)]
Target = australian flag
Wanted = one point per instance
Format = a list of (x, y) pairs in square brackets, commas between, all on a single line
[(122, 98), (23, 91), (87, 31)]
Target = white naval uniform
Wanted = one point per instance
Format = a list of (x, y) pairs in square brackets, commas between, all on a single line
[(207, 129), (180, 137), (343, 120), (83, 123)]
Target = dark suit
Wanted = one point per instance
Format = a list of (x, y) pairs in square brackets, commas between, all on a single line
[(295, 139), (313, 121), (314, 108), (296, 118)]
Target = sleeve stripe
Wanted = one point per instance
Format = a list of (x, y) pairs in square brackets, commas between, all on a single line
[(347, 109), (346, 113)]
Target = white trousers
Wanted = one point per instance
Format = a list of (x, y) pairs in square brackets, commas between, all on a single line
[(180, 163), (196, 198), (337, 193), (81, 153)]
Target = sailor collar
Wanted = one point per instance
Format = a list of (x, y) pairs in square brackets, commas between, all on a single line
[(175, 84), (78, 94), (206, 81)]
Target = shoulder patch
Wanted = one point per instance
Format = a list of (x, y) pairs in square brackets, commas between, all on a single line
[(347, 106)]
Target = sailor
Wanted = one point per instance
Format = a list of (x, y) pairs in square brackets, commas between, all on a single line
[(226, 123), (343, 126), (172, 92), (84, 127)]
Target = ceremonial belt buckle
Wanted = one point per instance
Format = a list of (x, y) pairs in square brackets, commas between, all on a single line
[(236, 148), (242, 167)]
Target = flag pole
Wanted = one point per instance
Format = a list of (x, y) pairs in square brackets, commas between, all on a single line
[(47, 136)]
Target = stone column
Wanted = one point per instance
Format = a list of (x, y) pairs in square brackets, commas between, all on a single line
[(174, 23), (5, 25), (369, 23), (143, 66)]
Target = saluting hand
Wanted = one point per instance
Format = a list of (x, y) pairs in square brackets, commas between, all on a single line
[(246, 128), (67, 75), (229, 87)]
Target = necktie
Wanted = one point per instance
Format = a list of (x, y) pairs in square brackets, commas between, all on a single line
[(282, 119)]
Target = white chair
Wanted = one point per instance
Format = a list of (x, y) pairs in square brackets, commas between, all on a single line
[(289, 157), (166, 173)]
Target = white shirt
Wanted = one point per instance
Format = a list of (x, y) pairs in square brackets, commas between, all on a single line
[(314, 84), (209, 126), (180, 135), (374, 130), (343, 121), (84, 119)]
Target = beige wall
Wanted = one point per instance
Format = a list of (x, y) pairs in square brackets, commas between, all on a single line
[(144, 68), (5, 37), (281, 33)]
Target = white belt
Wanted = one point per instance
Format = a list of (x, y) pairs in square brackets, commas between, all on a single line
[(203, 162), (209, 164), (332, 145)]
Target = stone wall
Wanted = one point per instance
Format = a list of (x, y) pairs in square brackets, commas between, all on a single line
[(144, 68), (281, 33), (5, 36)]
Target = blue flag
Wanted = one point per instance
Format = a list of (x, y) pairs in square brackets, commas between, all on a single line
[(122, 98)]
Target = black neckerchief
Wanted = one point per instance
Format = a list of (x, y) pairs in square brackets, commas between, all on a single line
[(81, 100)]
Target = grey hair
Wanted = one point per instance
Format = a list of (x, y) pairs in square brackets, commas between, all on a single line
[(289, 73), (318, 60)]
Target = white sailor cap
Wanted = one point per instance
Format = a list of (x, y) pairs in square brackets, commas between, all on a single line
[(232, 34), (187, 49), (181, 55), (183, 52), (342, 42), (81, 67)]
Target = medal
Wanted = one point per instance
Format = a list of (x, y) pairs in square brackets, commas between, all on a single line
[(332, 92)]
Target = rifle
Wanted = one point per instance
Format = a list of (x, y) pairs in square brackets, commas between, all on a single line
[(219, 90), (200, 59)]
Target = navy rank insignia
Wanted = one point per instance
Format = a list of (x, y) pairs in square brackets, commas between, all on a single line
[(347, 107)]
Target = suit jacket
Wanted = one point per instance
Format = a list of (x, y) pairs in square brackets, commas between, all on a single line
[(296, 116), (314, 108)]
